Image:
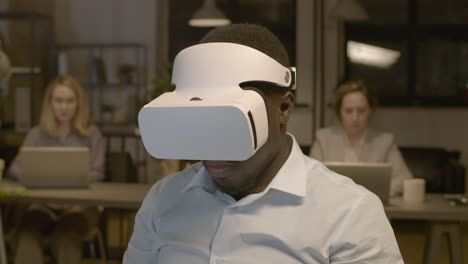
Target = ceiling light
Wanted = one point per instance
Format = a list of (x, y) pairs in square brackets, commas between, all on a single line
[(371, 55), (209, 15)]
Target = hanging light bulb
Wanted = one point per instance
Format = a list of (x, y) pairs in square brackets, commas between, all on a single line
[(209, 15)]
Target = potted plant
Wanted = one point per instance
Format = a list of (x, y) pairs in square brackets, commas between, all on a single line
[(4, 100), (5, 73), (162, 83), (126, 73)]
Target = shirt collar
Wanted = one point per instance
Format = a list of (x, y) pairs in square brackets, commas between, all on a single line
[(201, 179), (291, 178)]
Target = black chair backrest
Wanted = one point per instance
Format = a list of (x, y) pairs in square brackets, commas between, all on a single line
[(8, 153), (436, 165), (120, 167)]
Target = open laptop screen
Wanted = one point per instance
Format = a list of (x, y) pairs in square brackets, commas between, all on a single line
[(373, 176), (54, 167)]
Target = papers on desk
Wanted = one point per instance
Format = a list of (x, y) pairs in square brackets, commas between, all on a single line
[(457, 199), (6, 190)]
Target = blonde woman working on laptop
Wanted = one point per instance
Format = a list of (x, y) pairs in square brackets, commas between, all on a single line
[(64, 122), (353, 141)]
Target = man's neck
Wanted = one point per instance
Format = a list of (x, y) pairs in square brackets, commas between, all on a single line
[(270, 171)]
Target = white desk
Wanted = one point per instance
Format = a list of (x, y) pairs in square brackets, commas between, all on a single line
[(443, 218), (434, 208), (111, 195)]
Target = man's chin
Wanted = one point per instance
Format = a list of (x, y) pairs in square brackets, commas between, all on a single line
[(219, 170), (236, 190)]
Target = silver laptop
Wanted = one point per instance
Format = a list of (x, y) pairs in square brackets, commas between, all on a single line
[(375, 177), (54, 167)]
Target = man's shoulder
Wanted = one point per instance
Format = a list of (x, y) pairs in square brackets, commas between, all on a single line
[(331, 188), (178, 181), (168, 191)]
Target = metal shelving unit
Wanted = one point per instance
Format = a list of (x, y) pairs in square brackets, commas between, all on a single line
[(126, 96), (35, 72), (100, 88)]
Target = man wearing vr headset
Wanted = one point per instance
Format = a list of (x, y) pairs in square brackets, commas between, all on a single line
[(255, 197)]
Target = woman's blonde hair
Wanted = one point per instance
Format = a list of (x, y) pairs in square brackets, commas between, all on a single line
[(80, 121), (352, 86)]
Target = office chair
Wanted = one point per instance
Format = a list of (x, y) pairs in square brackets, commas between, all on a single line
[(440, 168), (95, 236), (92, 240)]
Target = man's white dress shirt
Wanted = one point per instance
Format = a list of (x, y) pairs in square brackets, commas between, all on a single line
[(307, 214)]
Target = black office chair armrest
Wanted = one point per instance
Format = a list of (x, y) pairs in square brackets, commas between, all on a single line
[(440, 168), (457, 178)]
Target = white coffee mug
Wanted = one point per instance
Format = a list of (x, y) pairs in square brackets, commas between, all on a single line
[(414, 190)]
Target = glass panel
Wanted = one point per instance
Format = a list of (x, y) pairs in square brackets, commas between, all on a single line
[(279, 16), (443, 12), (386, 12), (382, 64), (442, 69)]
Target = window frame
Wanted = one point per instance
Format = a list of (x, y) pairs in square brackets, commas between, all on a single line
[(410, 33)]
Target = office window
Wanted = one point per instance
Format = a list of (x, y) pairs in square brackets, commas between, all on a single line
[(277, 15), (419, 58)]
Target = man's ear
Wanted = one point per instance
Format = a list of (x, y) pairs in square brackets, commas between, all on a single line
[(286, 107)]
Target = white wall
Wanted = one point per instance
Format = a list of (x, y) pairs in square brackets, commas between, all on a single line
[(304, 120), (107, 21), (300, 124)]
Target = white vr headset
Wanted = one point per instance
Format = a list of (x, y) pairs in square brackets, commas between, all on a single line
[(209, 116)]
